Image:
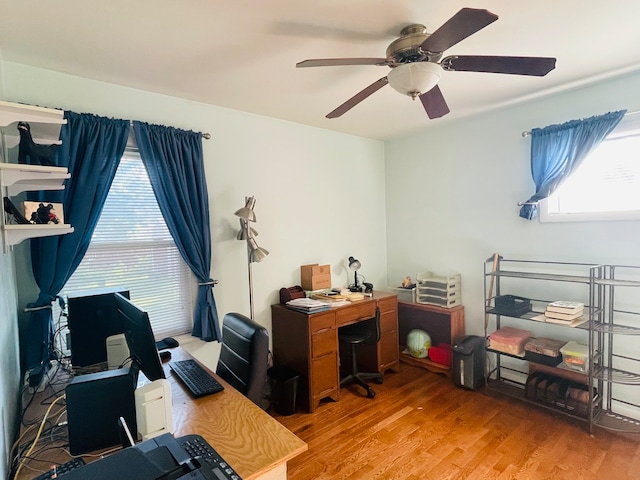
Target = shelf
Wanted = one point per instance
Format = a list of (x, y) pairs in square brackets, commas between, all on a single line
[(540, 276), (614, 329), (617, 422), (615, 375), (17, 178), (425, 363), (14, 234), (511, 389), (18, 112), (529, 317)]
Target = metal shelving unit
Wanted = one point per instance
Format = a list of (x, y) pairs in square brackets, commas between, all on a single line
[(538, 281), (617, 361)]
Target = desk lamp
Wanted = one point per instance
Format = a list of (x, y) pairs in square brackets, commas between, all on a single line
[(355, 266), (254, 252)]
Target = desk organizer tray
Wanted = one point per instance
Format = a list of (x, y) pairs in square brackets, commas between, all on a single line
[(509, 340), (544, 350), (512, 305)]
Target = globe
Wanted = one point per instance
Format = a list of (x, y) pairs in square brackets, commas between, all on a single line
[(418, 343)]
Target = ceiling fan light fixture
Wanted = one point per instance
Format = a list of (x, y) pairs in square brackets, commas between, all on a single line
[(414, 79)]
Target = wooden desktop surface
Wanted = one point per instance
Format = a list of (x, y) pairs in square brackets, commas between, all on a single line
[(246, 436), (249, 439)]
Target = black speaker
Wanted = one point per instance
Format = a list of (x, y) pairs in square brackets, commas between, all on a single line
[(93, 317), (95, 402), (468, 362)]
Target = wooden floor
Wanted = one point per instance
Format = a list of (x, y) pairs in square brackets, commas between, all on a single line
[(420, 426)]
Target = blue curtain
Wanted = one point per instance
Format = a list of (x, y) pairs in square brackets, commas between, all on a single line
[(91, 149), (558, 150), (173, 159)]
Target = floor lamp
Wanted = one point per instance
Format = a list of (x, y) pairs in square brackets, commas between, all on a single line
[(248, 234)]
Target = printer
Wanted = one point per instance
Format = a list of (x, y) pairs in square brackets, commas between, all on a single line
[(160, 458)]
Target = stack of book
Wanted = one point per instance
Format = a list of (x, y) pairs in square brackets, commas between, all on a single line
[(565, 312), (308, 305), (332, 298)]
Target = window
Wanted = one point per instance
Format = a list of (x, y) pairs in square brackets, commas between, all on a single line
[(132, 248), (607, 184)]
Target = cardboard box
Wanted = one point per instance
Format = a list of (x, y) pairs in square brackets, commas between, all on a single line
[(315, 277)]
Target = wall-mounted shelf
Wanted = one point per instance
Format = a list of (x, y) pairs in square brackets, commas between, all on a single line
[(14, 234), (17, 178)]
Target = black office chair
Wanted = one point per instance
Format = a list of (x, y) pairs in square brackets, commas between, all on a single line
[(244, 356), (354, 335)]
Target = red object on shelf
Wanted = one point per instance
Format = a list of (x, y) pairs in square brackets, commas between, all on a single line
[(441, 353)]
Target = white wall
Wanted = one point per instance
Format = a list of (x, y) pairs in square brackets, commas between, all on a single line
[(320, 195), (452, 195), (9, 373)]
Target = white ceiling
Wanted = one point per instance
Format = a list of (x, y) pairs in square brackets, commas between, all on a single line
[(241, 54)]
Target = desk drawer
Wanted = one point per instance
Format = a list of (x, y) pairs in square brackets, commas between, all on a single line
[(321, 321), (388, 321), (323, 342), (324, 380), (355, 312)]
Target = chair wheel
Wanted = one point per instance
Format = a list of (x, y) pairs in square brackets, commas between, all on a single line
[(379, 381), (371, 393)]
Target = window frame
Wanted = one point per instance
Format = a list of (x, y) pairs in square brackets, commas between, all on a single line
[(548, 208)]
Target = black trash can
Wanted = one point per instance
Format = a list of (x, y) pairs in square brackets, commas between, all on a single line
[(468, 362), (284, 389)]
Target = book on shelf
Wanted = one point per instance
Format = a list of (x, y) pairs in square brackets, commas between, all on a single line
[(565, 306), (568, 323), (562, 316)]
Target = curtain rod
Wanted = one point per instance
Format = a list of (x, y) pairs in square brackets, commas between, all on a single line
[(205, 135), (527, 133)]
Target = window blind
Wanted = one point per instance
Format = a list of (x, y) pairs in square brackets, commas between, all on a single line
[(132, 248)]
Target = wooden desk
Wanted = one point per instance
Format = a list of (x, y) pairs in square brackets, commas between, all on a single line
[(309, 344), (248, 438)]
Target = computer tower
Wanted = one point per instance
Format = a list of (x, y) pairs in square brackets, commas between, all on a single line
[(468, 362), (92, 318), (95, 402)]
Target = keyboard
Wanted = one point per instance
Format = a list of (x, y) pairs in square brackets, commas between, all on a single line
[(196, 379), (196, 446), (58, 470)]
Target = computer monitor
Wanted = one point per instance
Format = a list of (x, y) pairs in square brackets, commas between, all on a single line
[(91, 320), (142, 344)]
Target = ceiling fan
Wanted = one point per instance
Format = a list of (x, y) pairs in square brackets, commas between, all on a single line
[(416, 62)]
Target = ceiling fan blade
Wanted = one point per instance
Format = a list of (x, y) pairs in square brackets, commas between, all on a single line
[(358, 97), (464, 23), (536, 66), (434, 103), (333, 62)]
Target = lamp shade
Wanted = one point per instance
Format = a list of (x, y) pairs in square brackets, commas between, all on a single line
[(354, 264), (246, 212), (245, 230), (414, 79), (256, 253)]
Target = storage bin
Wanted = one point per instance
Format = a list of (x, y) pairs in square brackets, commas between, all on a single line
[(544, 350), (512, 305), (441, 354), (404, 294), (509, 340), (575, 356)]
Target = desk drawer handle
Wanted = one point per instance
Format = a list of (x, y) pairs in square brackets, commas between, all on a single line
[(322, 330)]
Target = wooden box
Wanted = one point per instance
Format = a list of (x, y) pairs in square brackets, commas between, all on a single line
[(315, 277)]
